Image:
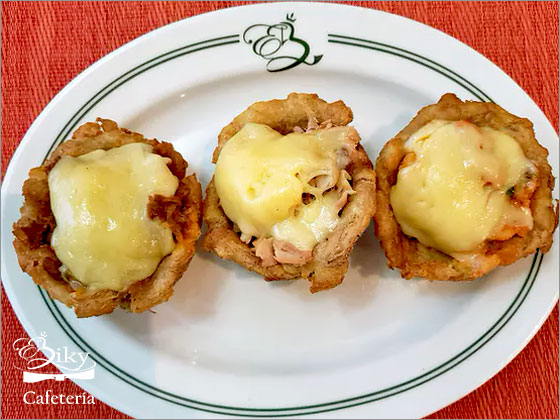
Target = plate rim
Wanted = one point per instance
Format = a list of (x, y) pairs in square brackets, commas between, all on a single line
[(110, 367), (492, 331), (131, 43)]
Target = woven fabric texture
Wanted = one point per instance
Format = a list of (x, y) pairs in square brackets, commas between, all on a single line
[(46, 44)]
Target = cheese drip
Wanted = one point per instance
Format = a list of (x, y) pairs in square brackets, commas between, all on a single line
[(262, 175), (103, 234), (455, 193)]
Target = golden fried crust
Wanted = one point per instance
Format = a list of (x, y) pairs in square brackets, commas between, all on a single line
[(330, 257), (417, 260), (182, 213)]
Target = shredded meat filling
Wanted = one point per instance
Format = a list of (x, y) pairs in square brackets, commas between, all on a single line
[(175, 211), (286, 253), (272, 251), (264, 250), (34, 229)]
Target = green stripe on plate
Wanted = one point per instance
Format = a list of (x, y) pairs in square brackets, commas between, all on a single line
[(409, 55), (307, 409), (131, 74)]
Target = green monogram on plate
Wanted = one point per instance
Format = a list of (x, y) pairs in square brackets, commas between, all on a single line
[(278, 45)]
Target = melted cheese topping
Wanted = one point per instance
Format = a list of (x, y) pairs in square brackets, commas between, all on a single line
[(311, 224), (261, 175), (103, 234), (454, 195)]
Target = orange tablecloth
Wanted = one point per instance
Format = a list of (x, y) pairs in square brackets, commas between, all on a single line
[(44, 45)]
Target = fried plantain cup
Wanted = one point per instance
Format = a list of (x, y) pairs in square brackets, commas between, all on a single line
[(415, 259), (329, 262), (181, 213)]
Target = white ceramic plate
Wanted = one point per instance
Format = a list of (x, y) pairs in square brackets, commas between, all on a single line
[(229, 343)]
